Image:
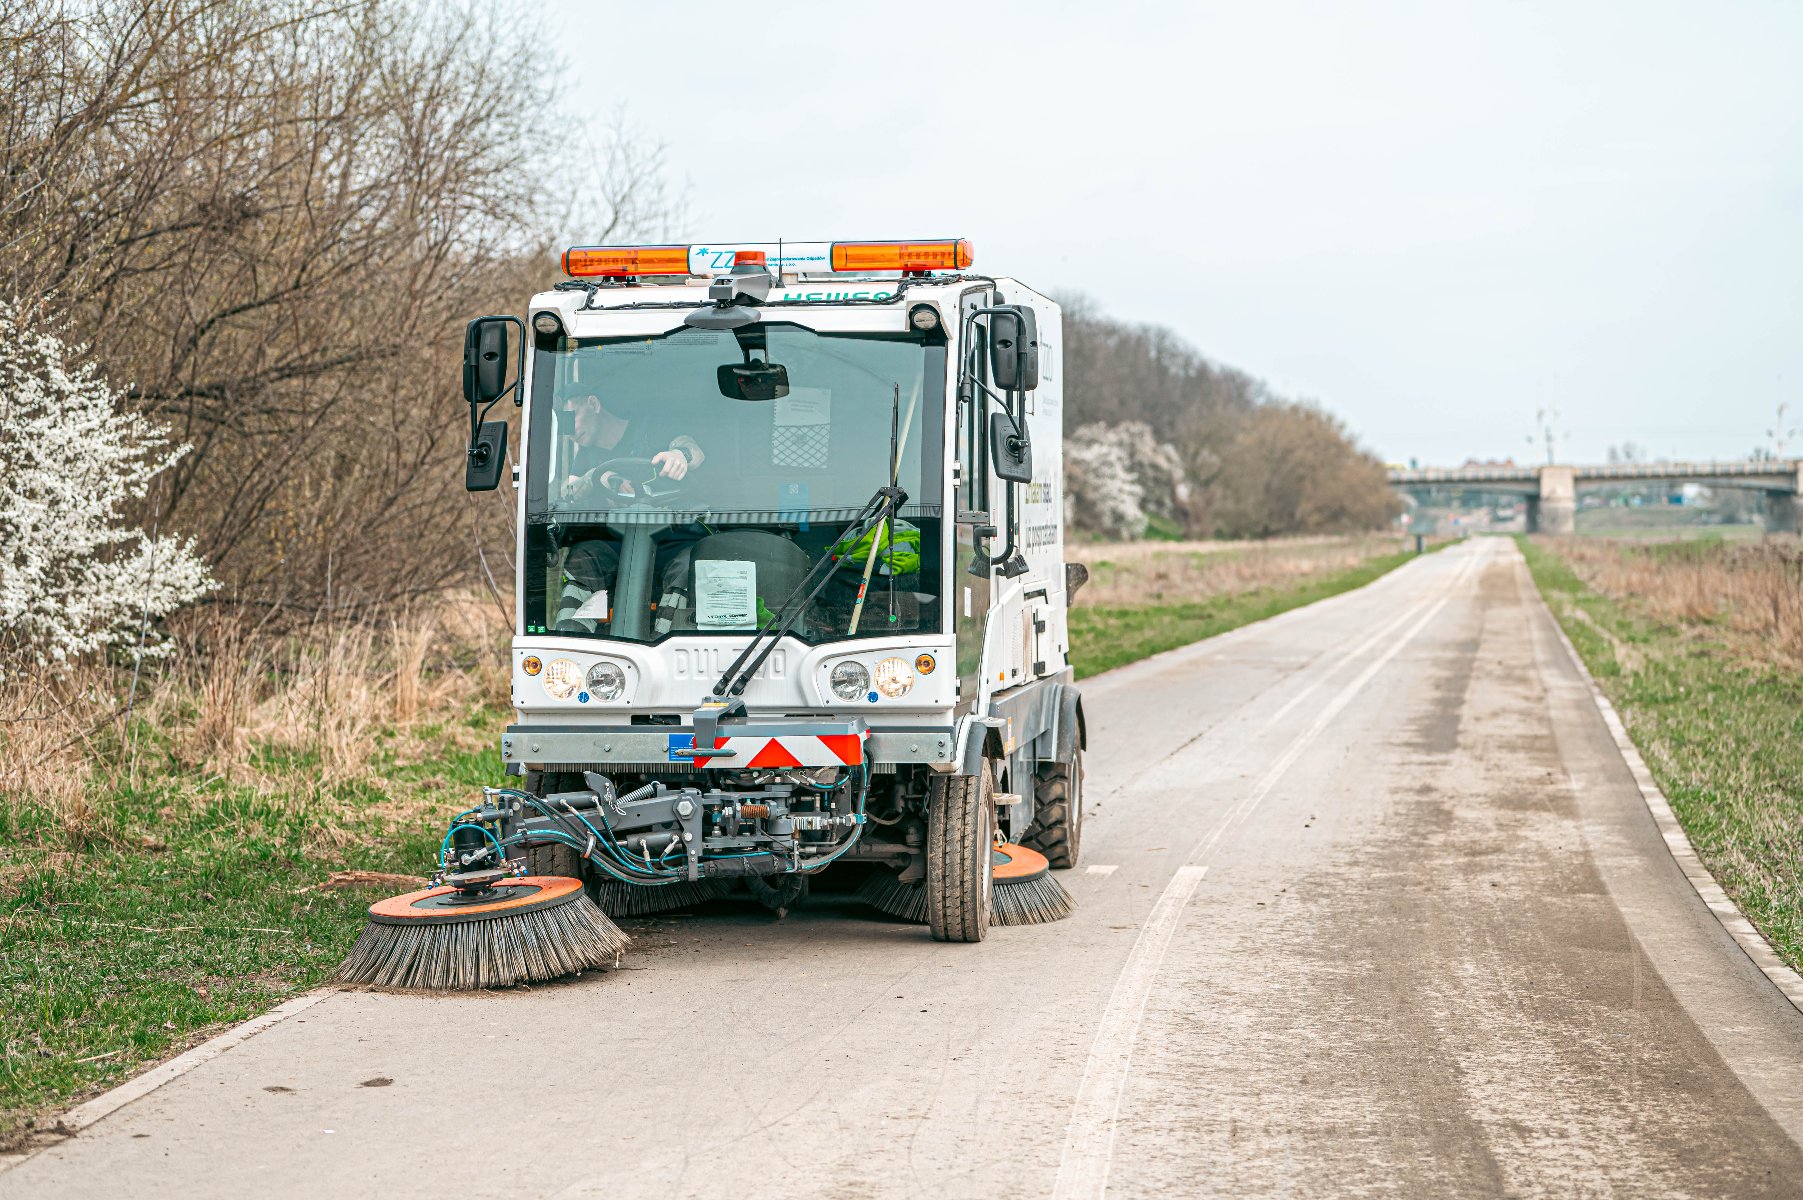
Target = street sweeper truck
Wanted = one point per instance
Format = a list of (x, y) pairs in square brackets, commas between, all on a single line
[(791, 585)]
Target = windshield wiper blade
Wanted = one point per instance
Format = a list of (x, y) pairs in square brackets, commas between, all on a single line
[(886, 503)]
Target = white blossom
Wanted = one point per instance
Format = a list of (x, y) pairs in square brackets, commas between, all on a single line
[(74, 576), (1115, 475)]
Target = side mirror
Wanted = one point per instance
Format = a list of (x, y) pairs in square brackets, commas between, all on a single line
[(1009, 451), (753, 380), (1014, 349), (485, 359), (487, 457)]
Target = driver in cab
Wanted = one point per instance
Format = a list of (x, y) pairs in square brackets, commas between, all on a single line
[(603, 439)]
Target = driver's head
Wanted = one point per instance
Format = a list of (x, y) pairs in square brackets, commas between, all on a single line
[(585, 417)]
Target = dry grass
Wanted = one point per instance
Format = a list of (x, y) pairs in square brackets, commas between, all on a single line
[(1152, 573), (1750, 593), (295, 712)]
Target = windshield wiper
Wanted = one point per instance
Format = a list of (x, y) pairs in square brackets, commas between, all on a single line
[(884, 505)]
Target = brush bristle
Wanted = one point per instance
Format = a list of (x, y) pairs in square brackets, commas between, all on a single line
[(885, 892), (629, 900), (1030, 902), (529, 947)]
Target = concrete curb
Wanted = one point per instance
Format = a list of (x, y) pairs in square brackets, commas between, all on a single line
[(1745, 934), (107, 1103)]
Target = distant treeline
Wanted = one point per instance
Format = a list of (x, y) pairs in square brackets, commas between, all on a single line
[(1158, 438)]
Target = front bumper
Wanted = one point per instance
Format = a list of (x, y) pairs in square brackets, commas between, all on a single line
[(534, 746)]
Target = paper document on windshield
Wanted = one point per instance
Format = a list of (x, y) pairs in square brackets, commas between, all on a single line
[(594, 608), (726, 594)]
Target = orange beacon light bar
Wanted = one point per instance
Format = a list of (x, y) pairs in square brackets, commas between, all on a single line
[(902, 256), (587, 261)]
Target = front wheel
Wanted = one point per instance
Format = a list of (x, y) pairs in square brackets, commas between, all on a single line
[(960, 834)]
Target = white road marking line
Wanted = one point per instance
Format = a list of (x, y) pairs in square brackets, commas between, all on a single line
[(1089, 1140), (1089, 1137), (1098, 869)]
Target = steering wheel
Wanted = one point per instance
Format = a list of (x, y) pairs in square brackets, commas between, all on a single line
[(642, 473)]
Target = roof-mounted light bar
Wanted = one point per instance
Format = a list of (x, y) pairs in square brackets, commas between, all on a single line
[(583, 262), (902, 256), (791, 258)]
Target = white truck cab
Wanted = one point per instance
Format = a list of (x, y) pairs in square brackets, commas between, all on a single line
[(791, 584)]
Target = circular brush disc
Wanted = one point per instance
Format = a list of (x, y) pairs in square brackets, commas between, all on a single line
[(510, 898), (1016, 864)]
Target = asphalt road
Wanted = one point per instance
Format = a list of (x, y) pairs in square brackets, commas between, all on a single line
[(1370, 905)]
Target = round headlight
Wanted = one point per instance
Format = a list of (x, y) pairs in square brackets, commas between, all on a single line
[(547, 324), (562, 678), (923, 318), (894, 677), (606, 682), (850, 681)]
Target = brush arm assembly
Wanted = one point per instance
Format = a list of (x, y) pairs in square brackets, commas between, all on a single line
[(755, 823)]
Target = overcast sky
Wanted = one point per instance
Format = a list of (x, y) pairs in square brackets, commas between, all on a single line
[(1432, 218)]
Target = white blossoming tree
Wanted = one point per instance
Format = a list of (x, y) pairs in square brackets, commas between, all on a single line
[(1117, 474), (74, 576)]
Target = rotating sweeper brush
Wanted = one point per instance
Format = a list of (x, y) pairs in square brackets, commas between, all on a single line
[(483, 929), (1023, 891), (482, 923)]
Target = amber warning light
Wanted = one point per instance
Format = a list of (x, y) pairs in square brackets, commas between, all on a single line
[(902, 256), (589, 261)]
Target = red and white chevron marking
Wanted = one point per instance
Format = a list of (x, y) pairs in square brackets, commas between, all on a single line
[(791, 750)]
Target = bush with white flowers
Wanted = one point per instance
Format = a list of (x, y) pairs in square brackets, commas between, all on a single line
[(75, 577), (1116, 476)]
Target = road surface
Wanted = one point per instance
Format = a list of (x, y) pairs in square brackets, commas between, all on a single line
[(1369, 905)]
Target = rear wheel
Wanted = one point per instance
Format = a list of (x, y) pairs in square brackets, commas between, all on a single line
[(960, 832), (552, 858), (1057, 829)]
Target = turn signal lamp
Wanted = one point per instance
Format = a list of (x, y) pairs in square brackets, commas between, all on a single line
[(750, 258), (902, 256), (587, 261)]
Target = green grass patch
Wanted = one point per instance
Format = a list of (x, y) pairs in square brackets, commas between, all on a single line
[(189, 907), (1723, 736), (1108, 636)]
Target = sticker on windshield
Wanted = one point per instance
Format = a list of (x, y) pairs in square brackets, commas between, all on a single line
[(725, 594), (802, 422)]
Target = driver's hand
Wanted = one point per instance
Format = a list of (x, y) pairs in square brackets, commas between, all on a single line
[(573, 487), (673, 463), (613, 483)]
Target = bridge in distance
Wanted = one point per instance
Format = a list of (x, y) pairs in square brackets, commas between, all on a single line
[(1551, 491)]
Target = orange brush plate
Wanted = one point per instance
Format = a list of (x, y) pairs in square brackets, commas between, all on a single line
[(550, 887)]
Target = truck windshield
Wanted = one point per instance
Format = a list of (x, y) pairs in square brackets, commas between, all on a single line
[(684, 484)]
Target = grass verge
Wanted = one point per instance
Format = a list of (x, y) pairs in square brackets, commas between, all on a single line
[(1112, 635), (1719, 722), (194, 908)]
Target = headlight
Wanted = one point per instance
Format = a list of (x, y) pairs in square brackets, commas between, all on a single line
[(850, 681), (562, 678), (606, 682), (894, 677)]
